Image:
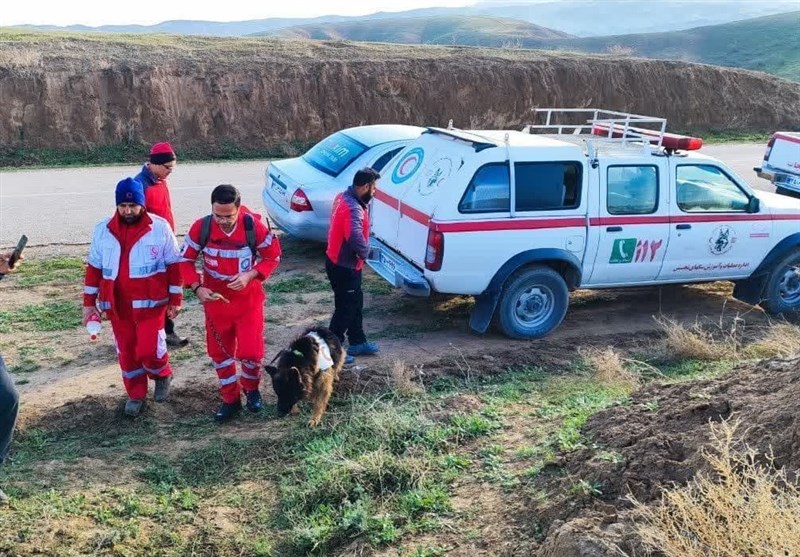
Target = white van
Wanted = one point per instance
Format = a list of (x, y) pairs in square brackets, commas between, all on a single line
[(520, 218), (781, 164)]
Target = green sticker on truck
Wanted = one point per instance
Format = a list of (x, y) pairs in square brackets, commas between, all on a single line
[(623, 250)]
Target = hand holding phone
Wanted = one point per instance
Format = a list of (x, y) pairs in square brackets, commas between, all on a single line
[(17, 253)]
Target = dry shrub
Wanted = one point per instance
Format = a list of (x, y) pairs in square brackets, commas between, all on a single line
[(404, 379), (780, 341), (608, 367), (741, 508), (694, 342)]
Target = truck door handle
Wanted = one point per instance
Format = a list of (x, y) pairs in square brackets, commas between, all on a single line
[(683, 226), (614, 229)]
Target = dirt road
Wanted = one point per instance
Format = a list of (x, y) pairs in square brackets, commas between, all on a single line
[(61, 206)]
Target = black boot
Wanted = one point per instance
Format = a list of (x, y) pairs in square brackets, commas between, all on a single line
[(228, 410), (175, 341), (254, 403)]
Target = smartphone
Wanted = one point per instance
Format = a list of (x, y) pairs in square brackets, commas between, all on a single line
[(17, 251)]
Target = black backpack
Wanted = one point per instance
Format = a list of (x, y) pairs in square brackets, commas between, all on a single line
[(249, 231)]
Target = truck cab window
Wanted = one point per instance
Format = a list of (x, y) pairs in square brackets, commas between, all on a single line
[(704, 188)]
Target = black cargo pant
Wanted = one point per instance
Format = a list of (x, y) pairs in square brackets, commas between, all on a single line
[(9, 407), (349, 303)]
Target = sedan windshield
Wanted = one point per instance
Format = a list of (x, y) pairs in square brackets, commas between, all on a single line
[(334, 153)]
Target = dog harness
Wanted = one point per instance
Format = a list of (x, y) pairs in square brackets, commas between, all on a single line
[(324, 359)]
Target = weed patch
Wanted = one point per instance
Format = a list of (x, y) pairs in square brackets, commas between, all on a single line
[(56, 271), (48, 316), (743, 507)]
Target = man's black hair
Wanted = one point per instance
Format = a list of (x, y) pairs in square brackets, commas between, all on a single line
[(224, 194), (365, 176)]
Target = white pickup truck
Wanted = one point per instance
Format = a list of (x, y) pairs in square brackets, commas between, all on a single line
[(781, 164), (520, 218)]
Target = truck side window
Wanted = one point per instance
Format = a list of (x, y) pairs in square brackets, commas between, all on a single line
[(704, 188), (488, 192), (547, 186), (632, 190)]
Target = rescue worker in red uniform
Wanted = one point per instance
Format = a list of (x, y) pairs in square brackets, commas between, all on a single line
[(153, 178), (239, 252), (133, 276), (348, 247)]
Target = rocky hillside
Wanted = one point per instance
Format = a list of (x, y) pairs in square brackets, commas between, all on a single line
[(77, 91)]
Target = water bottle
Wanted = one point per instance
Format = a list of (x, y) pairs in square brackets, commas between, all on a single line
[(93, 326)]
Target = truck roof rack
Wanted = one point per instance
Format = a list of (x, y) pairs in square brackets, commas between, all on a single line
[(609, 126), (478, 143)]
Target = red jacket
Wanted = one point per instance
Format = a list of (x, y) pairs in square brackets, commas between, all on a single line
[(348, 235), (156, 196), (133, 270), (224, 257)]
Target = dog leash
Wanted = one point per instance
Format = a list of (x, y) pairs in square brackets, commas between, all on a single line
[(218, 340)]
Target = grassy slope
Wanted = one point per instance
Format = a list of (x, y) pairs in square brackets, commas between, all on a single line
[(461, 30), (770, 44)]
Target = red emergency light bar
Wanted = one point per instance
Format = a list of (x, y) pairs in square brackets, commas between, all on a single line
[(668, 140)]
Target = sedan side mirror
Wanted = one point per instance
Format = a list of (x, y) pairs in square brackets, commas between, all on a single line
[(754, 205)]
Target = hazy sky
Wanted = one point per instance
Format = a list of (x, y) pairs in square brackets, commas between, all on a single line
[(147, 12)]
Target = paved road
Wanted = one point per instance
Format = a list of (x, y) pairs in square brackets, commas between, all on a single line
[(61, 206)]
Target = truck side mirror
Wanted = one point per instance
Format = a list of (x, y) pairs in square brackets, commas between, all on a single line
[(754, 205)]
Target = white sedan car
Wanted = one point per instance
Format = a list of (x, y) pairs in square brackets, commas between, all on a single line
[(299, 192)]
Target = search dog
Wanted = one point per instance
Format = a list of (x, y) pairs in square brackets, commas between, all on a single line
[(307, 370)]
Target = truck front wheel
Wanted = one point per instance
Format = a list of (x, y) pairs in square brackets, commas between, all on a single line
[(533, 303), (782, 290)]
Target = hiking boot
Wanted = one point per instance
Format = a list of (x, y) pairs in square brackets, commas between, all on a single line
[(3, 498), (363, 349), (133, 407), (228, 410), (175, 341), (254, 403), (349, 360), (162, 388)]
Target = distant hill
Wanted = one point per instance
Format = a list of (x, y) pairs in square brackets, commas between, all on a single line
[(770, 44), (577, 17), (461, 30), (594, 18)]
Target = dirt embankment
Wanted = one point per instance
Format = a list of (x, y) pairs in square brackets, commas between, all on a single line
[(659, 439), (77, 91)]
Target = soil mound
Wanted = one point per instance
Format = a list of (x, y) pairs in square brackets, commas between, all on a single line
[(656, 442), (210, 94)]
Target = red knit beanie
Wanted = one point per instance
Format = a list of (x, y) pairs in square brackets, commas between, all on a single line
[(162, 153)]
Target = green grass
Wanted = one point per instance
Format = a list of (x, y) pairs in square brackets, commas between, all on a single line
[(769, 44), (379, 470), (471, 30), (31, 357), (56, 270), (47, 316), (297, 284)]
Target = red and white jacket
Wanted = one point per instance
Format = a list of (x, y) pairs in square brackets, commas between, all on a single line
[(133, 270), (225, 256)]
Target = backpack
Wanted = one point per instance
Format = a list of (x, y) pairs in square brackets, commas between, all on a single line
[(249, 231)]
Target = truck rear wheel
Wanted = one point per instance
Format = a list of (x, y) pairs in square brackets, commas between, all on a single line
[(533, 303), (782, 290)]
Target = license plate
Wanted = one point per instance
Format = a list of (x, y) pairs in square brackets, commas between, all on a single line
[(388, 263), (278, 189), (793, 181)]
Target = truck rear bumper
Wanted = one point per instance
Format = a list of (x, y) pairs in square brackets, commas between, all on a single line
[(396, 270), (779, 179)]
